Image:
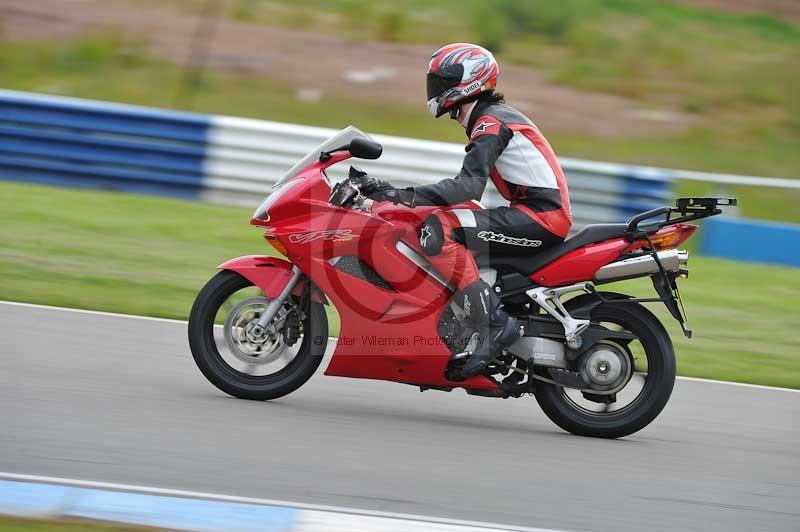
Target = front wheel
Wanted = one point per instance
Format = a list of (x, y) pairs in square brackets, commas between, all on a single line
[(647, 371), (247, 365)]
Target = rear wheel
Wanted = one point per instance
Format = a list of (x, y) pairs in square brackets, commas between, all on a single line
[(645, 375), (246, 365)]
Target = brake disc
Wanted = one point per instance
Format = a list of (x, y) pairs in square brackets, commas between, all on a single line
[(243, 343)]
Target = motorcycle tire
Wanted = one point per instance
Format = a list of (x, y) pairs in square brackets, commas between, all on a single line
[(238, 384), (653, 397)]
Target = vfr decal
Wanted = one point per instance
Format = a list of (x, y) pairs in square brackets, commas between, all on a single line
[(335, 235), (490, 236)]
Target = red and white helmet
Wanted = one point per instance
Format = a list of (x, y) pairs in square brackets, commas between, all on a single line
[(457, 72)]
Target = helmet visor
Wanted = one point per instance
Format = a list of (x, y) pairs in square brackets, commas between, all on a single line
[(446, 78)]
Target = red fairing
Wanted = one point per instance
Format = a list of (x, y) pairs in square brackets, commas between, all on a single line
[(269, 274), (580, 265)]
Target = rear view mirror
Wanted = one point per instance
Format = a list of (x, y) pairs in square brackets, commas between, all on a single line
[(365, 148)]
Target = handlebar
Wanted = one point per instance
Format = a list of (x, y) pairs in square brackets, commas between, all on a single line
[(348, 193), (344, 193)]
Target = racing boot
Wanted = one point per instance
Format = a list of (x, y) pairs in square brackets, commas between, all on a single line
[(496, 327)]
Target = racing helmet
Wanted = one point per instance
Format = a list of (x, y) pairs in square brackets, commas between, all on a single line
[(457, 73)]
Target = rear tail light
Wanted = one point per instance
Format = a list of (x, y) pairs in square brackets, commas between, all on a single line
[(672, 236)]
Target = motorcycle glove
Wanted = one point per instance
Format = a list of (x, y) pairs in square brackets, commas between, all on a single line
[(380, 190)]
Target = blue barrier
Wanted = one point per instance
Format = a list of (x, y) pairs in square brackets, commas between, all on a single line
[(751, 240), (81, 143), (642, 192)]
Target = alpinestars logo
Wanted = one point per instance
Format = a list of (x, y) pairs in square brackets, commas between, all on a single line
[(424, 235), (491, 236), (336, 235), (466, 305), (483, 126)]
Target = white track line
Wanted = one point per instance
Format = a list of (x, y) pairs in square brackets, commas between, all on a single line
[(90, 312), (742, 384), (254, 500), (183, 322)]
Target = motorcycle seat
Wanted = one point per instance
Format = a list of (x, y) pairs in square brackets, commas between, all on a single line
[(531, 262)]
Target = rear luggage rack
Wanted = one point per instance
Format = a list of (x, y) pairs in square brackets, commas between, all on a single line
[(687, 209)]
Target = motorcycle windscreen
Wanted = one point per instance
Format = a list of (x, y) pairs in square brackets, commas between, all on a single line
[(339, 139)]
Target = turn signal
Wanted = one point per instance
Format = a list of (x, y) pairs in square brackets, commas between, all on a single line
[(672, 236), (273, 241)]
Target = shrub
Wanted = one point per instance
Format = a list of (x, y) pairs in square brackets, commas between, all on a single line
[(490, 24), (493, 21), (551, 19), (391, 25)]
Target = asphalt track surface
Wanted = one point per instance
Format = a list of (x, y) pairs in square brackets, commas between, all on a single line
[(118, 399)]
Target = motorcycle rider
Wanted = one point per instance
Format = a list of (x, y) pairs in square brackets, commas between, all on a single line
[(506, 147)]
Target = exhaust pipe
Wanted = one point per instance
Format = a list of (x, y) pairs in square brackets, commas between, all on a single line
[(671, 259)]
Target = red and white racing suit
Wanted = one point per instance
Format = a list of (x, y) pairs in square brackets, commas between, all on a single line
[(506, 147)]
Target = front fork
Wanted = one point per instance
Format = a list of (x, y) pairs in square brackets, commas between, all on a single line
[(276, 304)]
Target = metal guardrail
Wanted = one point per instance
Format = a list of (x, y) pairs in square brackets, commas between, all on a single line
[(85, 143)]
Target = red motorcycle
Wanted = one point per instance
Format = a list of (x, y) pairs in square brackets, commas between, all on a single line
[(598, 362)]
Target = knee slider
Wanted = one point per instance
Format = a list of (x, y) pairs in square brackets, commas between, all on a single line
[(431, 235)]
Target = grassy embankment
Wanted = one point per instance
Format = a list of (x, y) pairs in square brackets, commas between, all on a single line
[(141, 255)]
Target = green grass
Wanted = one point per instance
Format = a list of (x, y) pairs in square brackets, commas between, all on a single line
[(14, 524), (141, 255)]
